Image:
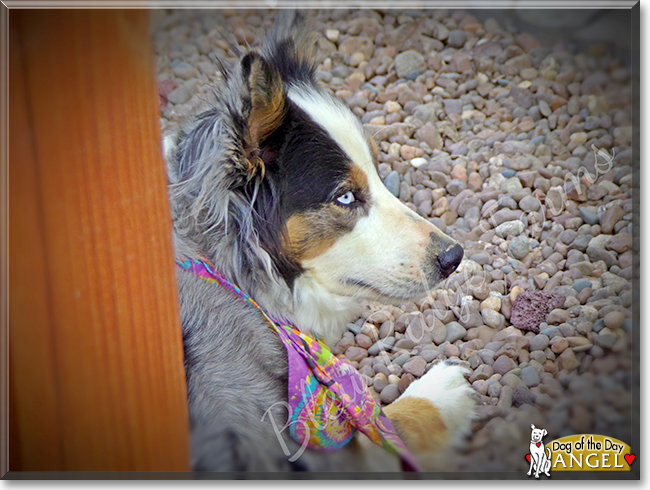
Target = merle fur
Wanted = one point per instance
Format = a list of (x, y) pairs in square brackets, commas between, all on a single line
[(236, 367)]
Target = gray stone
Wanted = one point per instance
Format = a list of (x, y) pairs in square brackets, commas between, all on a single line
[(519, 247), (494, 388), (581, 284), (381, 345), (427, 113), (605, 340), (503, 364), (581, 242), (430, 354), (567, 236), (482, 258), (392, 183), (456, 186), (455, 331), (493, 318), (484, 371), (401, 359), (539, 342), (186, 72), (453, 106), (511, 185), (354, 328), (544, 108), (439, 333), (521, 396), (522, 97), (429, 134), (596, 254), (389, 394), (513, 147), (613, 281), (407, 62), (179, 95), (627, 325), (380, 382), (512, 228), (457, 39), (610, 217), (529, 203), (529, 376), (511, 380)]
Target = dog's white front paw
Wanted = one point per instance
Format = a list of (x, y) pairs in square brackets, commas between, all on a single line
[(446, 387)]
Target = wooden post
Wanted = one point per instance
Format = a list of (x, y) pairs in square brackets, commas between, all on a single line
[(96, 373)]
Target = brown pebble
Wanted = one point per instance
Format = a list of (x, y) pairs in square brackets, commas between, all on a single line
[(415, 366), (567, 360), (480, 386), (363, 341), (579, 344), (584, 295), (503, 364), (614, 320), (549, 366), (557, 317), (451, 350), (459, 172), (356, 353), (559, 344), (404, 383)]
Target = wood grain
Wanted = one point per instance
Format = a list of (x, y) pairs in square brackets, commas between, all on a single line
[(97, 381)]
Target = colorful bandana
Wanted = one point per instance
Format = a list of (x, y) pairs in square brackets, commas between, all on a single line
[(328, 398)]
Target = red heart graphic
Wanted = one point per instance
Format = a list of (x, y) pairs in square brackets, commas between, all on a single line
[(528, 458), (539, 444), (629, 458)]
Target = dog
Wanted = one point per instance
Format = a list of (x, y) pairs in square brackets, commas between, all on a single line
[(540, 461), (275, 184)]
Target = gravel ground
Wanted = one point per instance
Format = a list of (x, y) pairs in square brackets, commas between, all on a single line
[(480, 130)]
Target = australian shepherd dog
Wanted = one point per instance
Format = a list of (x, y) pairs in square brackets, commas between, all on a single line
[(275, 185)]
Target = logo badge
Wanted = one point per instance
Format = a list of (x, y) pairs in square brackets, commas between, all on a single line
[(539, 456), (579, 452)]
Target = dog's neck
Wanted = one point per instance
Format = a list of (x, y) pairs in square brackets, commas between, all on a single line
[(311, 308), (307, 305)]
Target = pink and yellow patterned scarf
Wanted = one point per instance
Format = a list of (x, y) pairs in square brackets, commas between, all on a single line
[(328, 398)]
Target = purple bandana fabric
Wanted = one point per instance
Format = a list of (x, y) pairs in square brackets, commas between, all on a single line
[(328, 398)]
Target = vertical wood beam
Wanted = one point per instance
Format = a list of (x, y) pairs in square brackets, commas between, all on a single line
[(96, 373)]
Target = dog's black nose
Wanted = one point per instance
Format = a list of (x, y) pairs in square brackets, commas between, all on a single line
[(449, 259)]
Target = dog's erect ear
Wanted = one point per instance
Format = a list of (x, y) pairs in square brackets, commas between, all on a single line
[(291, 43), (532, 426), (265, 105)]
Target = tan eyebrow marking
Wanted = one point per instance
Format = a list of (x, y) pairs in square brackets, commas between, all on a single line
[(358, 179)]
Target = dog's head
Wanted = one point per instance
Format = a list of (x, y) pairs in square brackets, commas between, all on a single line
[(290, 170), (536, 435)]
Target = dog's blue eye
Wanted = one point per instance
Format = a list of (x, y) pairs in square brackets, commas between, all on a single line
[(346, 199)]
